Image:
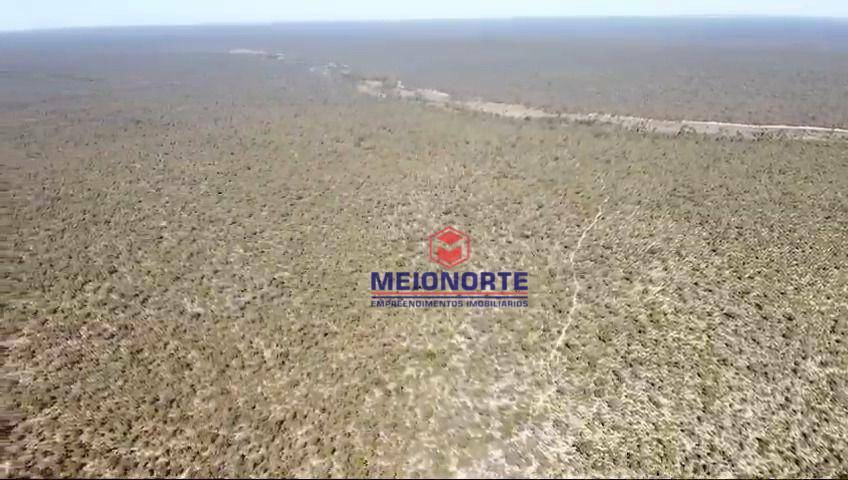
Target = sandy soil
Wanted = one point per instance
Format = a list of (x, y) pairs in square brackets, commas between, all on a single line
[(378, 88), (191, 238)]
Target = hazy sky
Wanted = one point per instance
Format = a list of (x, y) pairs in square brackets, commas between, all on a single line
[(28, 14)]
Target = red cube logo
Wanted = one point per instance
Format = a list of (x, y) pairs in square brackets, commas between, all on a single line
[(449, 247)]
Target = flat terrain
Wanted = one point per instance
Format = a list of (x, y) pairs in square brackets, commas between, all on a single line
[(744, 70), (191, 234), (774, 71)]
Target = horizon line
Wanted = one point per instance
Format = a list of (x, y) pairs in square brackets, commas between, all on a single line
[(416, 19)]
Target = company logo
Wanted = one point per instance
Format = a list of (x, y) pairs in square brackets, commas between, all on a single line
[(449, 247)]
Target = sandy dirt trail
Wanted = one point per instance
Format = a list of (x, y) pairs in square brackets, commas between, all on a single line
[(428, 96), (378, 88)]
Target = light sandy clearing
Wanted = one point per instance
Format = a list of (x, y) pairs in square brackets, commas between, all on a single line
[(378, 88)]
